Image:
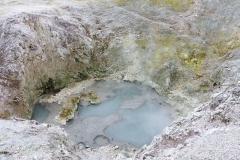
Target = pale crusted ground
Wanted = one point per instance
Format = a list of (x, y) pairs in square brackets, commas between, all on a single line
[(74, 89), (24, 140), (210, 132)]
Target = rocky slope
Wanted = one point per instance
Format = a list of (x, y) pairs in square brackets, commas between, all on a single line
[(187, 50), (210, 132), (44, 49), (42, 52), (23, 140)]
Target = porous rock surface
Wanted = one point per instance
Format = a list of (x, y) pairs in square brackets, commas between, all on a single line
[(23, 140), (67, 110), (210, 132), (188, 52), (47, 45)]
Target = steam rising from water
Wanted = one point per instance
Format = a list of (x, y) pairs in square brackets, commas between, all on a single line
[(139, 126), (130, 114)]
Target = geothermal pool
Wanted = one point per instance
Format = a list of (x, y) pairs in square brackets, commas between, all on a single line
[(130, 114)]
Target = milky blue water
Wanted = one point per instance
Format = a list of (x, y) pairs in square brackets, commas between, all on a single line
[(142, 119), (139, 126), (128, 114), (40, 113), (102, 109), (127, 91), (110, 106)]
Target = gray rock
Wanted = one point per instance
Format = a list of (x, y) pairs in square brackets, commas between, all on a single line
[(189, 52)]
